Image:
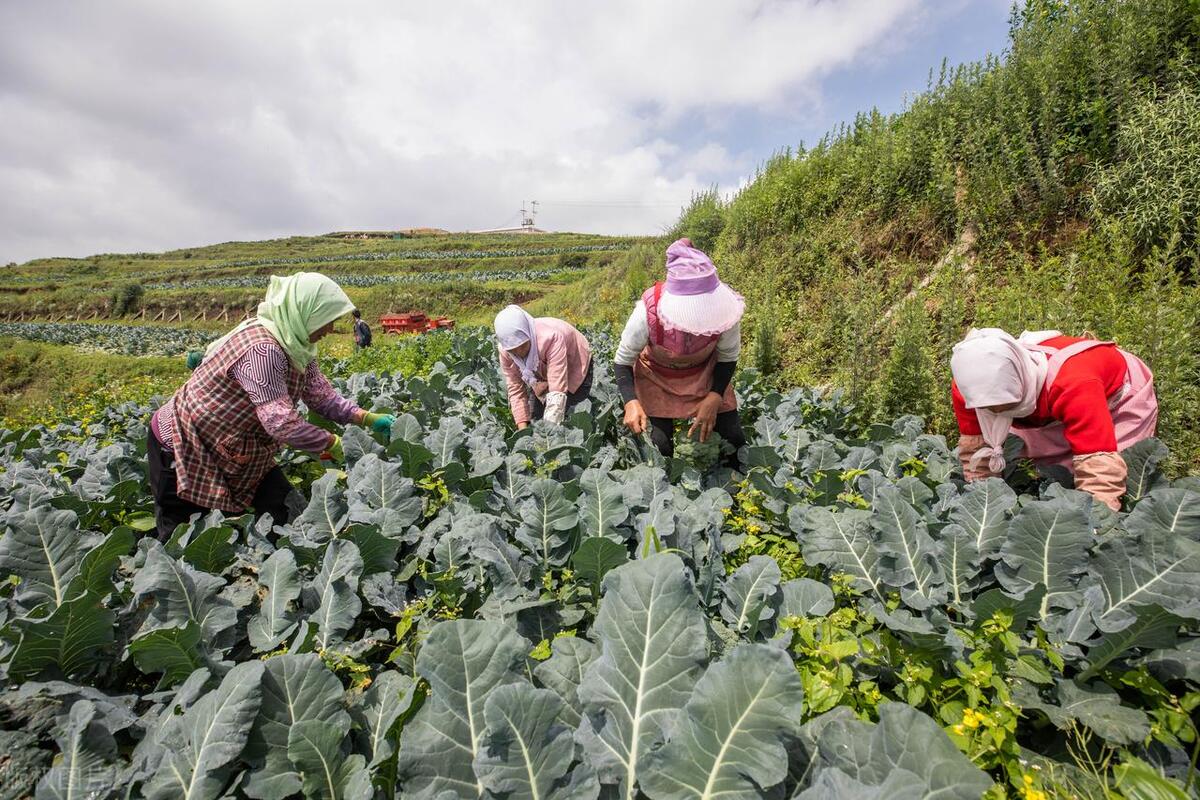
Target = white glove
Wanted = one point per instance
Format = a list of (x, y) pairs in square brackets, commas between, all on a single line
[(556, 407)]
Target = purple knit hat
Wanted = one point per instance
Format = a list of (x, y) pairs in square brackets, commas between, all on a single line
[(694, 299)]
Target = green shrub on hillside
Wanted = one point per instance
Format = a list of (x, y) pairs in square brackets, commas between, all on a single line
[(908, 381), (126, 298), (702, 221), (1155, 187)]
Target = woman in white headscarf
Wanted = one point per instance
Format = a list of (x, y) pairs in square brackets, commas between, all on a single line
[(1073, 401), (546, 363)]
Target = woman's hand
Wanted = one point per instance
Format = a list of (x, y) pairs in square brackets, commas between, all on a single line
[(522, 426), (635, 417), (706, 416), (333, 451), (380, 423)]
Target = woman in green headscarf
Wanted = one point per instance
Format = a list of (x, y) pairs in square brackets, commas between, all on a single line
[(213, 444)]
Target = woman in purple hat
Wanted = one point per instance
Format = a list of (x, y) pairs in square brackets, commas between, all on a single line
[(678, 353)]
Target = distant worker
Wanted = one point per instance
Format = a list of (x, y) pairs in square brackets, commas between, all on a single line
[(546, 363), (362, 331), (679, 351), (1074, 402), (213, 444)]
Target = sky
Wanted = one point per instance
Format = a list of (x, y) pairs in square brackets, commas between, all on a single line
[(133, 126)]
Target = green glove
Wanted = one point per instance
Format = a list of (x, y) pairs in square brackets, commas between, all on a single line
[(380, 423), (334, 451)]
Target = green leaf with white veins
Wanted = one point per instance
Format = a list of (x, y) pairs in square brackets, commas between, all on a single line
[(602, 505), (909, 553), (960, 562), (982, 511), (548, 519), (95, 572), (175, 652), (327, 511), (214, 732), (89, 753), (843, 541), (314, 747), (71, 638), (804, 597), (44, 548), (563, 672), (379, 493), (1047, 545), (1170, 512), (730, 743), (275, 619), (904, 740), (444, 442), (1163, 570), (1097, 706), (652, 647), (464, 661), (1154, 628), (182, 594), (526, 750), (1142, 460), (748, 594), (333, 594), (295, 689), (390, 696)]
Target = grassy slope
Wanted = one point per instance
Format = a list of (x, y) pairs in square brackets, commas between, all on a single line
[(41, 381), (75, 288)]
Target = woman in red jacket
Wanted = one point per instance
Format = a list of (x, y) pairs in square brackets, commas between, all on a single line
[(1075, 402)]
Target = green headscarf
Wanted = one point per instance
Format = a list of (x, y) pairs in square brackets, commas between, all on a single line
[(295, 307)]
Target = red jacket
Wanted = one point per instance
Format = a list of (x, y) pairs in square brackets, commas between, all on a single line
[(1078, 399)]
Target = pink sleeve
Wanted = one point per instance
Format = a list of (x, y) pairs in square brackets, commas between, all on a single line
[(262, 371), (556, 364), (518, 395), (322, 398), (283, 423)]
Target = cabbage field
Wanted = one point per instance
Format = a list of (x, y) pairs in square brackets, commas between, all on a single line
[(466, 611), (128, 340), (361, 280)]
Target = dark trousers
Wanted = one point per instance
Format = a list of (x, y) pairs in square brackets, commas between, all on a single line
[(171, 510), (728, 424), (537, 409)]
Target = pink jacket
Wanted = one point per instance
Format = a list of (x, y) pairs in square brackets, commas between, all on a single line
[(563, 357)]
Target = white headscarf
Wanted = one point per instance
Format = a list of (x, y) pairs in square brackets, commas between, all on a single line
[(514, 327), (991, 368)]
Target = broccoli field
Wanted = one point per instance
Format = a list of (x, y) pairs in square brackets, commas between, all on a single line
[(468, 611)]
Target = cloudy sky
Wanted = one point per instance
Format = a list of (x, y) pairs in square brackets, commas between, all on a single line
[(132, 126)]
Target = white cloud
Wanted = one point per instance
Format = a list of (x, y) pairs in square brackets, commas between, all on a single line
[(142, 125)]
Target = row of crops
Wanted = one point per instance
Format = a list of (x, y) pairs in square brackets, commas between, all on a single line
[(383, 255), (467, 611), (361, 280), (129, 340)]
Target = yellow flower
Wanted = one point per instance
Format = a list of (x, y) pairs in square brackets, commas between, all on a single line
[(971, 719)]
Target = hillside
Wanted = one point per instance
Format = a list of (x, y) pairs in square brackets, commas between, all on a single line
[(460, 275), (1056, 186)]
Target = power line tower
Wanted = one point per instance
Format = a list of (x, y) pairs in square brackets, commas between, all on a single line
[(528, 216)]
